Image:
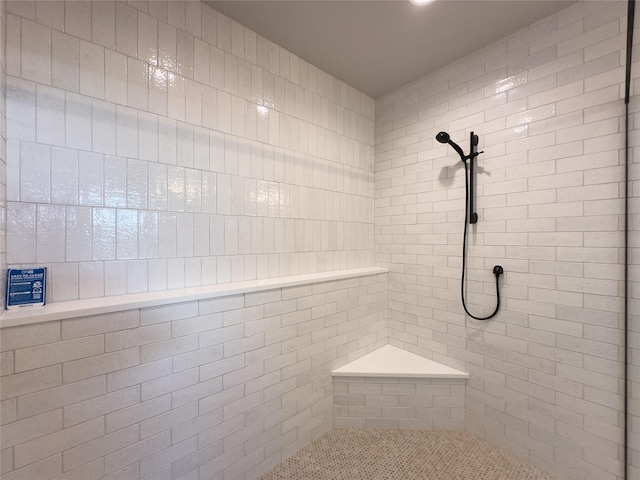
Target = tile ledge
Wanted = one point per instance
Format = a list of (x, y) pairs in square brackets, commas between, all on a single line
[(101, 305)]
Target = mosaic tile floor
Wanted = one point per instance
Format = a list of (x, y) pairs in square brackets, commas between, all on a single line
[(403, 455)]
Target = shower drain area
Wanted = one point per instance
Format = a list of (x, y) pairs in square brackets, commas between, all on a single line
[(403, 455)]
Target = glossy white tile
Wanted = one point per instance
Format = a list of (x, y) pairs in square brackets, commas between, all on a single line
[(137, 276), (184, 240), (64, 175), (50, 14), (176, 188), (167, 141), (184, 54), (167, 235), (104, 234), (127, 132), (77, 16), (137, 84), (158, 91), (167, 45), (50, 227), (115, 181), (201, 61), (78, 121), (91, 179), (137, 184), (92, 69), (193, 190), (193, 20), (193, 102), (154, 115), (13, 54), (65, 65), (50, 114), (21, 110), (116, 77), (147, 39), (177, 96), (103, 127), (36, 52), (126, 29), (126, 234), (115, 278), (21, 232), (175, 273), (64, 281), (177, 15), (148, 137), (158, 181), (35, 173), (201, 229), (103, 23), (78, 234), (90, 280)]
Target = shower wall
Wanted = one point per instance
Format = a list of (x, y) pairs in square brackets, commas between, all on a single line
[(146, 150), (546, 373), (3, 157), (633, 286), (220, 387), (158, 145)]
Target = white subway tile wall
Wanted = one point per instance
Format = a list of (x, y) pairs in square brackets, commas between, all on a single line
[(399, 403), (224, 387), (3, 156), (546, 374), (157, 145)]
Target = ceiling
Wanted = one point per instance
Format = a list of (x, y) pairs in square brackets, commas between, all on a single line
[(378, 46)]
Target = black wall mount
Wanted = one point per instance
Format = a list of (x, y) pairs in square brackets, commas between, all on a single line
[(444, 137), (473, 141)]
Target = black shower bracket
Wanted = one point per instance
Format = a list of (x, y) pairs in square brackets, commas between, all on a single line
[(444, 137), (473, 140)]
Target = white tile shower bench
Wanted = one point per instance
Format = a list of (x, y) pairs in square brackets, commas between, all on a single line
[(391, 388)]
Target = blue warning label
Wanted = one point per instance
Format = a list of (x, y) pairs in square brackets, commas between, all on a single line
[(26, 287)]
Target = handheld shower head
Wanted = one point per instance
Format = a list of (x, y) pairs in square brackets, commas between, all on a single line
[(444, 137)]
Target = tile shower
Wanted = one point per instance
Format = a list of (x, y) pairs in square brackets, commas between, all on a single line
[(153, 146)]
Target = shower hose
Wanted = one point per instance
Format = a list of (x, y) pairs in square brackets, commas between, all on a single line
[(497, 270)]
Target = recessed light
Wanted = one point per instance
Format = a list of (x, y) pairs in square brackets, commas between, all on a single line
[(420, 2)]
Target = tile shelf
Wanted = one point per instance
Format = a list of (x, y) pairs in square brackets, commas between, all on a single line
[(102, 305)]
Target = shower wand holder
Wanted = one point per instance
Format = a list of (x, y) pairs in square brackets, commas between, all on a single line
[(473, 141), (444, 137)]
